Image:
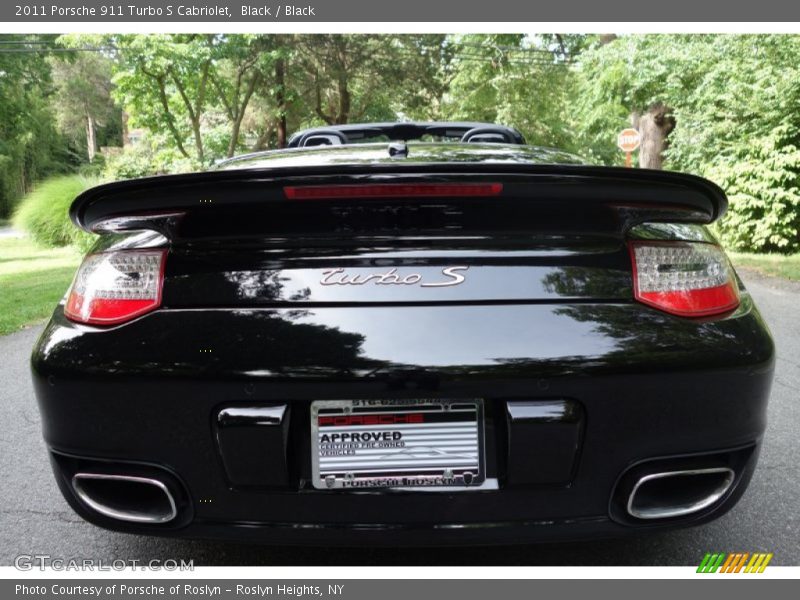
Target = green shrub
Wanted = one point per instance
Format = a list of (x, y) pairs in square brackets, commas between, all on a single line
[(44, 212), (763, 188), (148, 157), (94, 169), (129, 165)]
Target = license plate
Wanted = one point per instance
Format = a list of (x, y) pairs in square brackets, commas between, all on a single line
[(397, 444)]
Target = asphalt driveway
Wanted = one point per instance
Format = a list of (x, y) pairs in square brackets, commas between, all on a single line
[(34, 519)]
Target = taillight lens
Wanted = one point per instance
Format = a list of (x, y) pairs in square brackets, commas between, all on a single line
[(683, 278), (114, 287)]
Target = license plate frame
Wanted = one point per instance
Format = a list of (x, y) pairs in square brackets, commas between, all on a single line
[(440, 444)]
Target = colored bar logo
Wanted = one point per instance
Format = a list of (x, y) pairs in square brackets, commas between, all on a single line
[(736, 562)]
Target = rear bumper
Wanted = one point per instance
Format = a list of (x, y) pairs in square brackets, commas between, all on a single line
[(144, 397), (388, 518)]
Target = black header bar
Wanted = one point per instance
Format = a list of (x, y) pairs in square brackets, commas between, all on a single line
[(438, 11)]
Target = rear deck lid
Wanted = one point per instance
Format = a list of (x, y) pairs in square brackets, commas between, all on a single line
[(398, 232)]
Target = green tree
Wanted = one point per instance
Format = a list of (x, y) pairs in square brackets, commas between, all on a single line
[(422, 67), (29, 144), (84, 103), (515, 80), (368, 77), (345, 75), (200, 89), (248, 66), (165, 82)]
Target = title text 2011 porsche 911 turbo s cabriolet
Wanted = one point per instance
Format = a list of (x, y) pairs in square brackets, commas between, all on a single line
[(404, 333)]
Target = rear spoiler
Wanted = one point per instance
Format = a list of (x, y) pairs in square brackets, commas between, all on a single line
[(637, 195)]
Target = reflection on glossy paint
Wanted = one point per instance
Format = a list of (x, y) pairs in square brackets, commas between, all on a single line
[(401, 343), (56, 337), (418, 152)]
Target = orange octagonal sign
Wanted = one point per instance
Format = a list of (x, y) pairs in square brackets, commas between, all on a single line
[(629, 140)]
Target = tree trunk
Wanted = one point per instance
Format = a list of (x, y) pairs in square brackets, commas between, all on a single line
[(162, 95), (198, 142), (195, 110), (91, 138), (263, 139), (241, 110), (280, 100), (236, 127), (654, 126), (344, 101), (125, 140)]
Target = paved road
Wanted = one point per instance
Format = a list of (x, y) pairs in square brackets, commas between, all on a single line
[(10, 232), (34, 519)]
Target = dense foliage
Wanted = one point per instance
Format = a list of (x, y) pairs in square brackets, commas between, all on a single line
[(29, 142), (508, 79), (735, 101), (726, 106)]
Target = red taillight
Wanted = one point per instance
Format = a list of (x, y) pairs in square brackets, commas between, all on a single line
[(114, 287), (683, 278), (391, 190)]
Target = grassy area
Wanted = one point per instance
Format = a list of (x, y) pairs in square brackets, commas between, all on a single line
[(777, 265), (32, 281), (4, 222)]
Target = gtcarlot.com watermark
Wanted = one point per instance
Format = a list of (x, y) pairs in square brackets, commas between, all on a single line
[(43, 562)]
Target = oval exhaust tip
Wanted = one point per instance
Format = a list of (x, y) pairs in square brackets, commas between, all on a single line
[(678, 493), (125, 497)]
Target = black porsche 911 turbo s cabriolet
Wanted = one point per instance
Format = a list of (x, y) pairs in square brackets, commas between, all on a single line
[(404, 333)]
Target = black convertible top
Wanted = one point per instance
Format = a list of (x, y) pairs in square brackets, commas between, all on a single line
[(463, 131)]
